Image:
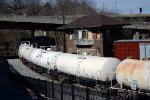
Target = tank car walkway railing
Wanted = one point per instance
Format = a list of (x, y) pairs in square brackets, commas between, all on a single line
[(83, 53)]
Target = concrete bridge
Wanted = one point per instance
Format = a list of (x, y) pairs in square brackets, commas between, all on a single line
[(25, 22)]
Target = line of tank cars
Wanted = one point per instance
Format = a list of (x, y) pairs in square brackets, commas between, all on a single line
[(91, 69)]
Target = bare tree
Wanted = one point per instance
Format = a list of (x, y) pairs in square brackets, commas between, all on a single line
[(33, 7), (66, 8), (10, 41), (4, 9), (87, 7), (16, 6), (61, 8), (2, 2), (47, 9)]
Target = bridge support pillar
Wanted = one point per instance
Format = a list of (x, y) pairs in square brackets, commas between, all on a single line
[(46, 33), (32, 33)]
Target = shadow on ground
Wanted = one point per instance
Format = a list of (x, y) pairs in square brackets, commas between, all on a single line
[(9, 89)]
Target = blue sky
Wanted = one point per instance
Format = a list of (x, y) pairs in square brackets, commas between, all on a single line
[(126, 6)]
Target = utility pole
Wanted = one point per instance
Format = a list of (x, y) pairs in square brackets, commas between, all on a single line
[(64, 18)]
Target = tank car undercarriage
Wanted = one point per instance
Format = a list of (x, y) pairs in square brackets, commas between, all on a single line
[(104, 88), (68, 78)]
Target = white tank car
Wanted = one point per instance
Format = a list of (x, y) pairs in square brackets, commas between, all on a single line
[(51, 59), (92, 67), (24, 50), (34, 55), (134, 74), (30, 51), (20, 50), (40, 57), (44, 58)]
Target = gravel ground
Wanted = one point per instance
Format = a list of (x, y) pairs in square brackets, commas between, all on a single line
[(25, 71)]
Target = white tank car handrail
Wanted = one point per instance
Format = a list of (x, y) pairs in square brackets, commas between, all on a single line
[(43, 47), (49, 48), (25, 42), (53, 47), (34, 44), (82, 54)]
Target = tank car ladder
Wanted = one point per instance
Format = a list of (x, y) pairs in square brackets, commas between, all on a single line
[(48, 65), (78, 72)]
